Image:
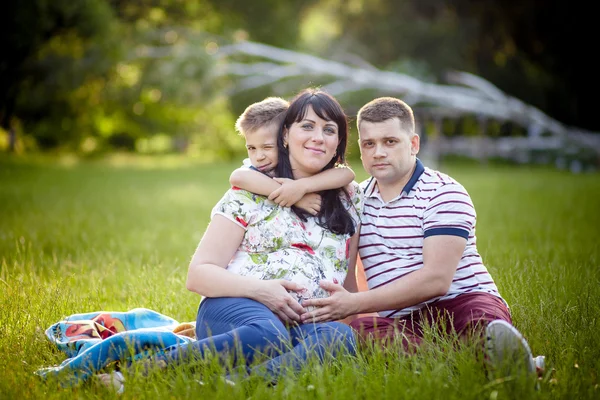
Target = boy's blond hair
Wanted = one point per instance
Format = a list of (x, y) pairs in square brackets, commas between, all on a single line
[(385, 108), (265, 112)]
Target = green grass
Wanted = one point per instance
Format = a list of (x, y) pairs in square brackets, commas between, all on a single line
[(78, 237)]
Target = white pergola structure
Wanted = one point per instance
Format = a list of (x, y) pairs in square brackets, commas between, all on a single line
[(465, 94)]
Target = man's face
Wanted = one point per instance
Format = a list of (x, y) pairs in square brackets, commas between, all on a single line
[(262, 147), (388, 152)]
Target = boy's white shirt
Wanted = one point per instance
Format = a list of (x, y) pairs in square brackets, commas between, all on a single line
[(248, 165)]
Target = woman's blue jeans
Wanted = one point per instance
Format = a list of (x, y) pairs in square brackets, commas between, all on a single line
[(244, 327)]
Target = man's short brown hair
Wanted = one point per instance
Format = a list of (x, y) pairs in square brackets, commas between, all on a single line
[(268, 111), (385, 108)]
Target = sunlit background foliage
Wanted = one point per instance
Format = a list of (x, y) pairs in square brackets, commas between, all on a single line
[(92, 76)]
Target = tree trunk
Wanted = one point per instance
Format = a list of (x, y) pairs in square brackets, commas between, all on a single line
[(12, 139)]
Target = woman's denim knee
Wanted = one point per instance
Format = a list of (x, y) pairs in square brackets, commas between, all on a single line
[(272, 333), (342, 337), (327, 338), (245, 316)]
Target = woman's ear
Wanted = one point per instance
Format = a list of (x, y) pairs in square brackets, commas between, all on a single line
[(285, 137)]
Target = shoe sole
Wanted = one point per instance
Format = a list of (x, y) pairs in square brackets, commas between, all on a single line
[(506, 346)]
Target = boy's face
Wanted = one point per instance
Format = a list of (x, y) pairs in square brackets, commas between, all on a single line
[(262, 147)]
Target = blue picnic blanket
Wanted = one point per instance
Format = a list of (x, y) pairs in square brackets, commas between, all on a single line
[(93, 341)]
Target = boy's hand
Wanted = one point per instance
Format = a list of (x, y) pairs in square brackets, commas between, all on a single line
[(289, 193), (311, 203)]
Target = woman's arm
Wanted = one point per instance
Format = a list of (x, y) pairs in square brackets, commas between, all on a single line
[(208, 277), (253, 181)]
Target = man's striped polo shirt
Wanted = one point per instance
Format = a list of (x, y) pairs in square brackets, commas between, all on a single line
[(392, 233)]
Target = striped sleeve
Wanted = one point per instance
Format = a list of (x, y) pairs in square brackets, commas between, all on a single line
[(450, 212)]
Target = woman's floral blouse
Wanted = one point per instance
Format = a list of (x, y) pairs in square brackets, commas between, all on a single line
[(279, 245)]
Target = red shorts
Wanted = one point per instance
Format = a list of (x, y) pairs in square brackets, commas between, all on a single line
[(466, 315)]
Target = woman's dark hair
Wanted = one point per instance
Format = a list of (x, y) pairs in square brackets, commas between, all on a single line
[(333, 215)]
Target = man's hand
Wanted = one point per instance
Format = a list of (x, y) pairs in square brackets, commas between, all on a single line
[(274, 294), (337, 306), (311, 203), (290, 192)]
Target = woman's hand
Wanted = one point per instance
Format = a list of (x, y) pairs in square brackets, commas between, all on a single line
[(274, 294), (289, 193), (311, 203)]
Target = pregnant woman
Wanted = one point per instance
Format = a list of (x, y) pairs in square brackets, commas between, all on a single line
[(257, 260)]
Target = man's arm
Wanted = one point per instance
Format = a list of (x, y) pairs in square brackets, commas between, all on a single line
[(253, 181), (291, 191), (441, 255)]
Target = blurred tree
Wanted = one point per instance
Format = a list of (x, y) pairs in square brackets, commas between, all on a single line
[(171, 50), (90, 73), (268, 21), (529, 49), (538, 51), (54, 53), (96, 72)]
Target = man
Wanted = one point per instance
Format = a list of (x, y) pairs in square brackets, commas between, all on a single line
[(418, 248)]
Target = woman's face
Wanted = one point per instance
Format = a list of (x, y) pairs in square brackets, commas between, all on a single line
[(312, 144)]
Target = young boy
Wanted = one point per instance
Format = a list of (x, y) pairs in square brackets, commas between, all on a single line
[(259, 124)]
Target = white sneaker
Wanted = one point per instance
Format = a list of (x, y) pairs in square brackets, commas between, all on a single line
[(507, 349), (221, 378), (114, 380)]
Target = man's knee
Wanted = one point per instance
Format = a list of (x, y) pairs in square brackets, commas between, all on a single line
[(472, 312), (374, 326), (386, 332)]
